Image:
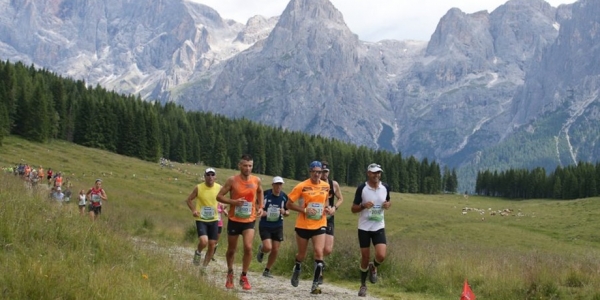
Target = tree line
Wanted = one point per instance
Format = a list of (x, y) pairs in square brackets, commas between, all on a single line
[(39, 105), (571, 182)]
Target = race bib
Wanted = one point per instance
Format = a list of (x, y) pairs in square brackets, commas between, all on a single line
[(376, 213), (207, 213), (96, 198), (319, 208), (273, 213), (244, 211)]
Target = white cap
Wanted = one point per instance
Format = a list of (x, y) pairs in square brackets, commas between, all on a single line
[(58, 188), (210, 170), (277, 179), (374, 168)]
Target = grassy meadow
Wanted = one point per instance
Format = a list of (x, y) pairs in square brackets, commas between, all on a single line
[(544, 249)]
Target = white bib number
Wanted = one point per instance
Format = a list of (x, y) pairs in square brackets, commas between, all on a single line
[(244, 211), (96, 198), (376, 213), (319, 208), (273, 213), (207, 213)]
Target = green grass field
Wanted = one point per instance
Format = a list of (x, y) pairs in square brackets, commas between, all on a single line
[(544, 249)]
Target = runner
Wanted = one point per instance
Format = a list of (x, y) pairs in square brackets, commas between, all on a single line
[(270, 226), (96, 195), (205, 211), (311, 222), (371, 199), (82, 202), (49, 177), (245, 203), (222, 211), (334, 192)]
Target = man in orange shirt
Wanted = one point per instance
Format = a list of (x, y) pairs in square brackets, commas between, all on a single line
[(245, 203), (311, 222)]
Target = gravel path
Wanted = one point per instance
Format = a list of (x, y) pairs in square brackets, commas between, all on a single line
[(262, 287)]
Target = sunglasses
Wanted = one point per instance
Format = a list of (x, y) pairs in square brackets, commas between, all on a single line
[(209, 174), (318, 172)]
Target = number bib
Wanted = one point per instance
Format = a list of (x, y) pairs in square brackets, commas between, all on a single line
[(207, 213), (96, 198), (244, 211), (376, 213), (319, 208), (273, 213)]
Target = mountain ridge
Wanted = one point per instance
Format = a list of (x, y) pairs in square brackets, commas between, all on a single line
[(482, 78)]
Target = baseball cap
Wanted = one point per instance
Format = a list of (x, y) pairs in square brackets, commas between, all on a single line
[(315, 164), (325, 166), (374, 168), (277, 179), (210, 170)]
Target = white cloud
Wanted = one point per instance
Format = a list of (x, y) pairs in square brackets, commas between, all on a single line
[(372, 20)]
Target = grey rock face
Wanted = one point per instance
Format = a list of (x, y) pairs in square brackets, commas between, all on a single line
[(482, 77)]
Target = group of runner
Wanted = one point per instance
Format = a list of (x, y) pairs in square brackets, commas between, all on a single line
[(316, 201), (60, 188)]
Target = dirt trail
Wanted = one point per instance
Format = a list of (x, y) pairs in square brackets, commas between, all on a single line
[(262, 287)]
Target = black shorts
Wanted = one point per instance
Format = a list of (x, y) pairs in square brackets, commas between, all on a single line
[(366, 237), (96, 209), (330, 227), (220, 229), (209, 229), (309, 233), (236, 228), (271, 233)]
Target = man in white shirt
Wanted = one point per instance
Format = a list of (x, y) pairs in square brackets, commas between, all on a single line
[(371, 199)]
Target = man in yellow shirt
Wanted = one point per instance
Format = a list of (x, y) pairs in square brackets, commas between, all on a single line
[(311, 222), (204, 211)]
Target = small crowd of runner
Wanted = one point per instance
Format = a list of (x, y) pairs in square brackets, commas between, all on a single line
[(60, 188)]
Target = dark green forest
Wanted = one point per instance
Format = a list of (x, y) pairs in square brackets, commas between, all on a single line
[(40, 106), (571, 182)]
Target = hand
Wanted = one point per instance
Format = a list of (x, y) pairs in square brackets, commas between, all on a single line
[(261, 212), (330, 210), (238, 202), (309, 211), (368, 205), (387, 204), (196, 213)]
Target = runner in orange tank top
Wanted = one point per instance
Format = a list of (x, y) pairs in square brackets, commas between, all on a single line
[(245, 203), (311, 222)]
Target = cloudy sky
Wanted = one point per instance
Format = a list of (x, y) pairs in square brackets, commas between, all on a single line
[(372, 20)]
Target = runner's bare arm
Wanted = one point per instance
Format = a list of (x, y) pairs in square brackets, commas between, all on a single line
[(225, 189), (190, 201)]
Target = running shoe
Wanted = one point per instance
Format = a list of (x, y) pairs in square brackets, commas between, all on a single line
[(260, 254), (229, 282), (315, 289), (321, 275), (372, 273), (244, 283), (363, 291), (295, 277), (197, 258), (267, 274)]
